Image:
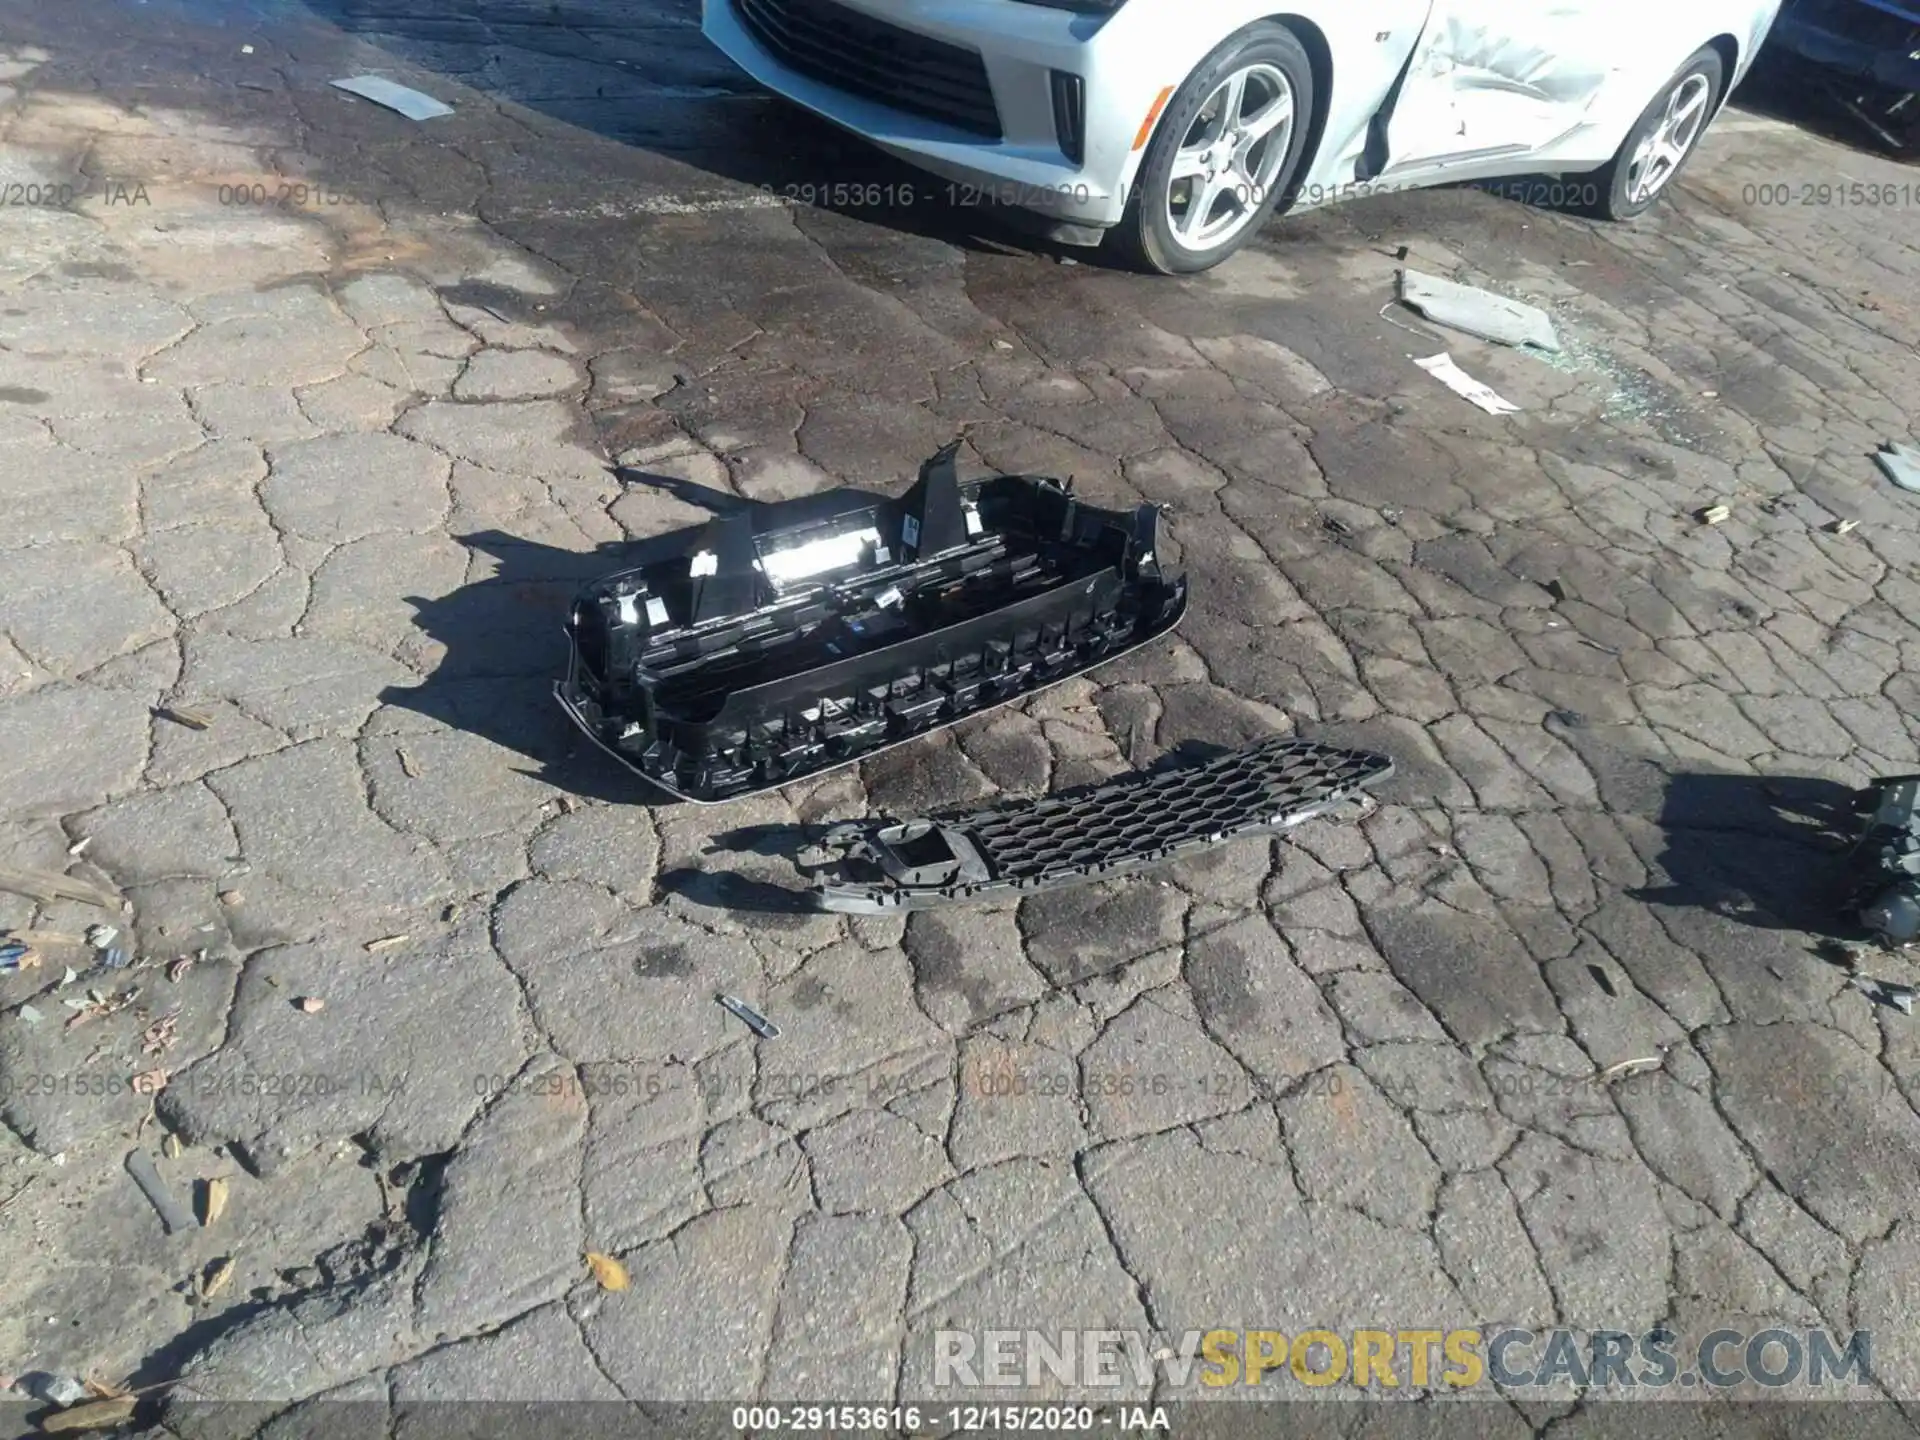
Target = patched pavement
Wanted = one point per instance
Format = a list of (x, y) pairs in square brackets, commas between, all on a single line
[(313, 418)]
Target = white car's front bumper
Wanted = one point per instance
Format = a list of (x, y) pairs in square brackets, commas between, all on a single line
[(1020, 46)]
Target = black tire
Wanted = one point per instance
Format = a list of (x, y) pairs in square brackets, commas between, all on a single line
[(1614, 183), (1143, 235)]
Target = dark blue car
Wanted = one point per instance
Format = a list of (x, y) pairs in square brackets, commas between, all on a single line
[(1872, 46)]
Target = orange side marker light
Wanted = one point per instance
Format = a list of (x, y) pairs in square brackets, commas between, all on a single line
[(1146, 125)]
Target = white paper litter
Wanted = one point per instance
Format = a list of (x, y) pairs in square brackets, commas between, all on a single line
[(410, 103), (1442, 368), (1478, 312)]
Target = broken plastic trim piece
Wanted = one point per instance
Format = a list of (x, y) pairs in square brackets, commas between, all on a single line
[(1126, 825), (778, 642), (1887, 860)]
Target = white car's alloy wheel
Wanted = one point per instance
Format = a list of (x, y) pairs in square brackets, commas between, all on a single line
[(1224, 152), (1230, 156), (1662, 141), (1659, 157)]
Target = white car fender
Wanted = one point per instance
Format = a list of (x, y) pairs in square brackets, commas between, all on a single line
[(1645, 63), (1370, 44)]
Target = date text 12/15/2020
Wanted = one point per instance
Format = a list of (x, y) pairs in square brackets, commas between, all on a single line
[(900, 194)]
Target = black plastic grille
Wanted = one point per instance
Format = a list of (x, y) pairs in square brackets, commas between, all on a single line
[(831, 726), (855, 52), (1245, 790), (1124, 826)]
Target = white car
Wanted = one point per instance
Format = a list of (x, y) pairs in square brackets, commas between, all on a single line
[(1176, 126)]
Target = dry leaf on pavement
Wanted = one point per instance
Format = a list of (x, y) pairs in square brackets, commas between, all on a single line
[(611, 1274)]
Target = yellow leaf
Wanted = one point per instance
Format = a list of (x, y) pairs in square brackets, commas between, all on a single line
[(216, 1278), (93, 1415), (611, 1274)]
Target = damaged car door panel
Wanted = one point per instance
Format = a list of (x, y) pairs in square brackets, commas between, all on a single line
[(764, 648)]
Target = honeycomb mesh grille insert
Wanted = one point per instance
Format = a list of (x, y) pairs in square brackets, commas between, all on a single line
[(865, 55), (1141, 820)]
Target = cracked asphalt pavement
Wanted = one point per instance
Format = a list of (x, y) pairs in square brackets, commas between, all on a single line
[(313, 419)]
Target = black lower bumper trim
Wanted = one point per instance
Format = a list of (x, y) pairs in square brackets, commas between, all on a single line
[(1113, 829)]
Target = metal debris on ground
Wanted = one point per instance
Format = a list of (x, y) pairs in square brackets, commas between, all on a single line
[(178, 967), (1477, 312), (213, 1200), (173, 1215), (387, 942), (310, 1004), (17, 955), (230, 898), (1886, 992), (1443, 369), (1842, 527), (115, 957), (99, 1004), (1712, 514), (1123, 826), (101, 937), (1624, 1067), (171, 1146), (79, 847), (1900, 463), (1886, 859), (191, 719), (160, 1036), (413, 104), (756, 1022)]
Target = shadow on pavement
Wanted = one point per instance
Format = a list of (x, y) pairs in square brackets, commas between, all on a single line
[(731, 890), (504, 647), (1769, 852), (640, 72)]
